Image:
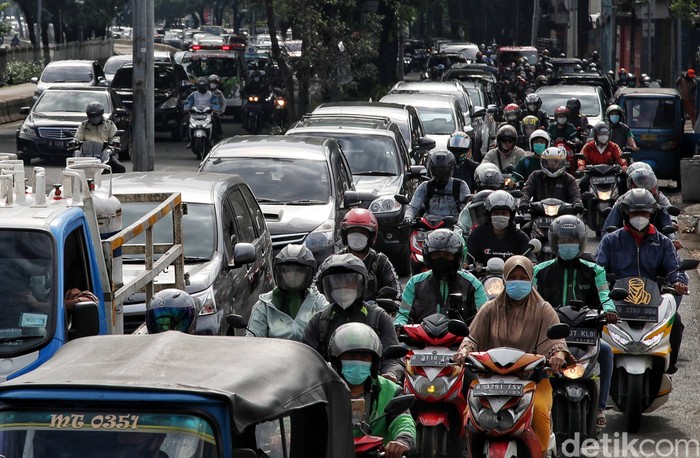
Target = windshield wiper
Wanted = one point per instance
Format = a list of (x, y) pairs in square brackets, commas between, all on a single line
[(375, 173), (196, 259), (305, 201), (267, 200), (22, 337)]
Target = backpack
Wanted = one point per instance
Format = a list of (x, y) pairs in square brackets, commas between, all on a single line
[(374, 314), (432, 190)]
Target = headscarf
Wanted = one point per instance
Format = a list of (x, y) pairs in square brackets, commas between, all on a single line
[(499, 323)]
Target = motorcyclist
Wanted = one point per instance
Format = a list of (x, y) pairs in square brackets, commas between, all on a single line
[(620, 133), (533, 107), (568, 277), (528, 125), (255, 84), (359, 230), (215, 88), (561, 130), (172, 310), (98, 129), (639, 250), (506, 154), (442, 195), (498, 236), (578, 119), (460, 144), (511, 115), (488, 176), (342, 279), (201, 99), (285, 311), (621, 78), (539, 141), (552, 181), (428, 292), (600, 150), (355, 354)]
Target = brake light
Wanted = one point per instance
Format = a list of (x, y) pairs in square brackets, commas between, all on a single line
[(225, 48), (196, 47)]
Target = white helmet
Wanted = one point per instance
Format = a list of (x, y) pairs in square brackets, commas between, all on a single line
[(553, 161)]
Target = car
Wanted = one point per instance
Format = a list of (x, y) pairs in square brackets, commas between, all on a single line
[(163, 57), (174, 38), (445, 59), (592, 100), (221, 213), (468, 50), (71, 72), (55, 117), (481, 96), (214, 42), (114, 63), (169, 93), (405, 116), (506, 55), (303, 185), (471, 72), (381, 168), (584, 79), (562, 65)]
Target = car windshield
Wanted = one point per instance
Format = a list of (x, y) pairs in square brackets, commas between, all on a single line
[(162, 78), (70, 101), (590, 103), (370, 155), (112, 65), (437, 120), (27, 283), (198, 228), (67, 74), (475, 95), (648, 113), (276, 179), (64, 433), (197, 66)]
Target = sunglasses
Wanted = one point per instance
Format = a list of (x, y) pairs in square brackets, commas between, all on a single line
[(508, 140)]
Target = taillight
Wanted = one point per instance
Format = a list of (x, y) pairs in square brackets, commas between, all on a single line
[(225, 48), (196, 47)]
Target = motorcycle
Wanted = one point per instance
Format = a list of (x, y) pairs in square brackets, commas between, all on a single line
[(201, 129), (542, 214), (253, 114), (106, 152), (420, 229), (368, 446), (641, 347), (604, 192), (278, 100), (500, 402), (436, 382)]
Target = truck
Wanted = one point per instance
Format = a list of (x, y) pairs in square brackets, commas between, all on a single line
[(69, 239)]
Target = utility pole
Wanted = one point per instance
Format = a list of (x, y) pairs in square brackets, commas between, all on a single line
[(38, 31), (142, 153), (535, 23)]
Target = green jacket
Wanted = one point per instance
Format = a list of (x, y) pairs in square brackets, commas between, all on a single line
[(558, 282), (401, 427), (526, 166)]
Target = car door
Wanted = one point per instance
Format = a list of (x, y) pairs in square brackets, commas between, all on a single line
[(408, 183), (415, 126), (342, 182), (262, 237), (231, 287)]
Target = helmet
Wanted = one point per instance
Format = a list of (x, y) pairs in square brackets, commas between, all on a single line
[(595, 55), (611, 109), (511, 112), (567, 229), (171, 310), (460, 144), (477, 213), (533, 102), (256, 76), (444, 240), (506, 132), (638, 165), (488, 176), (553, 161), (362, 218), (214, 79), (542, 134), (294, 268), (95, 112), (642, 178), (440, 68), (601, 128), (529, 124), (441, 164), (339, 275), (202, 85), (631, 80), (574, 106), (541, 80), (500, 200), (638, 199), (561, 110), (355, 337)]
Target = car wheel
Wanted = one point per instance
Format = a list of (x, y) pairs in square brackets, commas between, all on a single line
[(26, 160)]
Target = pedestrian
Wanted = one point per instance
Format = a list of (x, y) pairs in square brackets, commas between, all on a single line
[(687, 86)]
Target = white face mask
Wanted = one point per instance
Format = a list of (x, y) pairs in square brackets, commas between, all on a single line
[(603, 139), (562, 121), (293, 280), (357, 241), (344, 297), (639, 222), (500, 222)]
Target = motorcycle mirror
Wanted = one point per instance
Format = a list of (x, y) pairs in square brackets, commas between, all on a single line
[(399, 404), (394, 352), (418, 171), (535, 246), (458, 328), (558, 331), (673, 210), (618, 294), (516, 193), (236, 321), (388, 305), (668, 230), (449, 221), (403, 200), (495, 265), (688, 264), (387, 292), (426, 143), (611, 229)]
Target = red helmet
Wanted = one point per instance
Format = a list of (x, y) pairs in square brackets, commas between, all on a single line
[(511, 112), (359, 217), (561, 109)]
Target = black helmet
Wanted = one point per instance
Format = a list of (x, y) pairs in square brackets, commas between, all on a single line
[(477, 212), (642, 178), (95, 112), (443, 240), (343, 272), (601, 128), (574, 106), (355, 337), (294, 268), (441, 164), (172, 310), (500, 200), (567, 229), (488, 176), (613, 109), (506, 132), (202, 85), (638, 199), (533, 102)]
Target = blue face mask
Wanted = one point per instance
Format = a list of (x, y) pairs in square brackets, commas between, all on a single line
[(538, 148), (518, 289), (568, 251), (356, 372), (614, 119)]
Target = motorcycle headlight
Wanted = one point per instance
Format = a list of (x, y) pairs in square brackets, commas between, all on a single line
[(522, 405), (651, 342), (206, 301), (169, 104), (493, 286), (426, 388), (280, 103), (619, 338), (551, 210), (321, 237), (253, 98), (605, 195), (384, 204), (574, 372)]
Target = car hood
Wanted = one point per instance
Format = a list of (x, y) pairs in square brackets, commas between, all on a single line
[(377, 186), (291, 219), (55, 119)]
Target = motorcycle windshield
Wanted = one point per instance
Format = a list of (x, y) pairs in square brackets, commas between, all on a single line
[(92, 149)]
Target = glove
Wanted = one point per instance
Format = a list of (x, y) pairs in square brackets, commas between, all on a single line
[(523, 207), (406, 222), (579, 209)]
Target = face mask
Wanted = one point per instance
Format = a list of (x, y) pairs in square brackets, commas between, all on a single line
[(639, 222), (256, 80), (202, 90), (518, 289), (293, 280), (562, 121), (96, 119), (603, 139), (614, 119), (568, 251), (344, 297), (500, 222), (538, 148), (356, 372), (442, 266), (357, 241), (212, 85), (532, 107)]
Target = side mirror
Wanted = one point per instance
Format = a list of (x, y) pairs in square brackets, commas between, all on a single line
[(458, 328), (34, 80), (351, 199), (399, 404), (390, 306), (85, 320), (244, 253), (558, 331), (394, 352), (121, 112), (668, 230), (535, 246), (236, 321), (387, 292), (24, 110), (403, 200), (418, 171), (426, 143), (492, 109), (688, 264), (479, 112), (618, 294), (671, 209)]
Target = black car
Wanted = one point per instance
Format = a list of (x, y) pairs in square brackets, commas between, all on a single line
[(53, 120), (169, 95)]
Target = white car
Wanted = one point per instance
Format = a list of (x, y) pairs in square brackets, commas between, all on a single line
[(592, 100)]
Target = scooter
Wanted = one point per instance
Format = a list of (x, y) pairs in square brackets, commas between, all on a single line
[(437, 384), (542, 214), (368, 446), (278, 101), (641, 347), (421, 227), (604, 192), (500, 402), (253, 114), (106, 152), (201, 129)]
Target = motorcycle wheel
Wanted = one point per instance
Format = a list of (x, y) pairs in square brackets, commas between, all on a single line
[(633, 405), (431, 441), (198, 147), (255, 121)]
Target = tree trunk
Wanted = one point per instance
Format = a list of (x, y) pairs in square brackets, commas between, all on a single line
[(386, 58), (277, 55), (45, 41)]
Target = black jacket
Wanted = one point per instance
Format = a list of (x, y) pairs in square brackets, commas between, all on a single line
[(465, 172), (540, 186), (381, 273), (483, 244), (559, 282)]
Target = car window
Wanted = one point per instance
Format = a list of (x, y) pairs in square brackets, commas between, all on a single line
[(475, 95), (244, 222), (651, 113), (416, 127), (368, 155), (437, 120), (252, 204), (55, 101), (590, 103), (67, 74), (112, 65), (342, 180), (228, 229)]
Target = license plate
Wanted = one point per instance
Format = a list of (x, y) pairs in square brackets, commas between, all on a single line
[(582, 336), (648, 137), (58, 144), (429, 359), (638, 313), (497, 389), (603, 180), (544, 221)]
